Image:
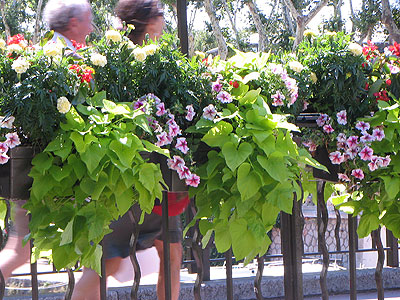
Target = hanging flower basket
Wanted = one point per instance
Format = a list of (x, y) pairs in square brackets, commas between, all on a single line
[(14, 180)]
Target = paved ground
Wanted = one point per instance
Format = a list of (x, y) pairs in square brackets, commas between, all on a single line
[(392, 295)]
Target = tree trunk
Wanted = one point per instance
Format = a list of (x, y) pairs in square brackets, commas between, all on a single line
[(37, 23), (222, 47), (303, 20), (338, 14), (387, 20), (262, 36), (3, 16), (353, 28), (232, 24), (288, 18)]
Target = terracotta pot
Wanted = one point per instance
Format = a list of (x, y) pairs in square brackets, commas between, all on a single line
[(14, 180)]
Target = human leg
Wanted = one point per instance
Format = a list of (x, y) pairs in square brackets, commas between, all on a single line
[(88, 286), (175, 263), (14, 254)]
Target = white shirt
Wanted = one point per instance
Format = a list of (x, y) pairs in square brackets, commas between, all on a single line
[(62, 37)]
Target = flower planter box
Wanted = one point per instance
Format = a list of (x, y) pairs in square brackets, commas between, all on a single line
[(14, 180)]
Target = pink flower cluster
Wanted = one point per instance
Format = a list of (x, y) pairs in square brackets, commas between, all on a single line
[(177, 163), (11, 139), (355, 146), (290, 84), (169, 133), (222, 96)]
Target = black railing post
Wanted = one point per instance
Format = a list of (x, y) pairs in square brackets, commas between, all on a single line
[(229, 278), (393, 252), (166, 252), (132, 253), (292, 250), (181, 7), (353, 245), (34, 279)]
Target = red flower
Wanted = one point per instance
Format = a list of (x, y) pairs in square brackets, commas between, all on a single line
[(382, 96), (85, 74), (388, 82), (235, 84), (15, 39), (368, 50), (395, 49), (366, 86), (77, 45)]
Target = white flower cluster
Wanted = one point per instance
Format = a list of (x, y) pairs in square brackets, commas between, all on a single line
[(53, 49), (2, 44), (356, 49), (20, 65), (113, 35), (140, 54), (98, 59), (63, 105), (296, 66)]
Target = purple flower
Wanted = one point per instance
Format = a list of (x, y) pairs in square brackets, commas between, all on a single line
[(217, 86), (139, 104), (224, 97), (160, 109), (190, 113), (366, 153), (209, 112), (386, 161), (278, 98), (181, 145), (343, 177), (367, 138), (342, 117), (322, 119), (358, 173), (341, 138), (352, 152)]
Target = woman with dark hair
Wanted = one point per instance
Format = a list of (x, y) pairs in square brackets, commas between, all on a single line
[(147, 17)]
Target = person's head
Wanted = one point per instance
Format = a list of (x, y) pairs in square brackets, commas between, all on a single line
[(145, 15), (71, 18)]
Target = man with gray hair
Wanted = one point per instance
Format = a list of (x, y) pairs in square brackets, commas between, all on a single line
[(71, 20)]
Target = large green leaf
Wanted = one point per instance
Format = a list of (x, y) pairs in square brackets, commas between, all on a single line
[(218, 135), (392, 186), (248, 182), (93, 156), (235, 158), (269, 213), (222, 237), (250, 97), (282, 196), (368, 223), (77, 138), (147, 176), (124, 201), (276, 166), (116, 108), (42, 162), (242, 240), (126, 153), (67, 235)]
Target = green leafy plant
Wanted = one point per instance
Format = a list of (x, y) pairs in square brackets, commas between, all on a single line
[(91, 173)]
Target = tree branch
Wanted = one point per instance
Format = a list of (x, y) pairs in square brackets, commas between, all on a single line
[(3, 16), (315, 11)]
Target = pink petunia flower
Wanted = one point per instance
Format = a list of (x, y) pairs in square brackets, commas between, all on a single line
[(193, 180), (224, 97), (352, 141), (341, 145), (367, 138), (161, 109), (209, 112), (139, 105), (190, 113), (342, 117), (362, 126), (217, 86), (336, 157), (358, 173), (174, 130), (322, 119), (366, 153), (378, 134), (343, 177), (12, 140), (3, 148), (372, 166), (305, 105), (183, 172), (278, 98), (310, 145), (3, 158), (162, 139), (181, 145), (175, 163), (341, 138), (7, 123), (352, 152), (328, 128)]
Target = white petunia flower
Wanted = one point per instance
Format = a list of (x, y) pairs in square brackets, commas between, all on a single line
[(98, 59), (63, 105)]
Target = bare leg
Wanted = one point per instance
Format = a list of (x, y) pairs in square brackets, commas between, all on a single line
[(14, 255), (88, 286), (176, 262)]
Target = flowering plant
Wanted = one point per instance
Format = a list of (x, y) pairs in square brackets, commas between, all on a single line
[(9, 138), (253, 166), (32, 79)]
